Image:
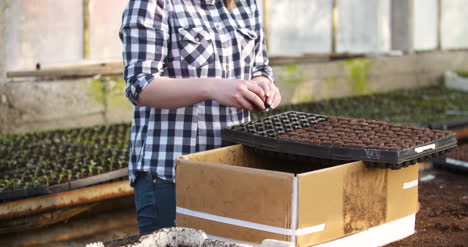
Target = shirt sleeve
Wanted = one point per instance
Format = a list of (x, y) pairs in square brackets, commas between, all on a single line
[(144, 33), (261, 67)]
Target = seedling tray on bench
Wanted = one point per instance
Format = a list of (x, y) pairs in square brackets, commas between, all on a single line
[(43, 189), (379, 143), (456, 160)]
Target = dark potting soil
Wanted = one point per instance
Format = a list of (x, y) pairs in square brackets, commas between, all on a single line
[(380, 144), (362, 133), (123, 241), (442, 219)]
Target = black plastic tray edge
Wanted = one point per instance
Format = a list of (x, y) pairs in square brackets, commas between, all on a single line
[(454, 123), (122, 172), (333, 152), (443, 163), (39, 190), (11, 195)]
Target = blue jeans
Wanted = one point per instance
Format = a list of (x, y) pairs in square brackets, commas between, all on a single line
[(155, 203)]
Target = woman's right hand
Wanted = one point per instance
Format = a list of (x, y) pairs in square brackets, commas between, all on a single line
[(241, 94)]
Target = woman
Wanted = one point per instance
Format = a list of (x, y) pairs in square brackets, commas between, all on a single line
[(192, 67)]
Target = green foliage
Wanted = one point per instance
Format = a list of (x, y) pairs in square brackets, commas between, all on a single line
[(291, 74), (463, 73), (358, 71)]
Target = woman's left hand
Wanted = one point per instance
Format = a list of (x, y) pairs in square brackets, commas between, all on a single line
[(273, 96)]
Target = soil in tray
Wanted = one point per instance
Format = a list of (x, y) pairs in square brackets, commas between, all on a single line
[(342, 133), (362, 133), (442, 219)]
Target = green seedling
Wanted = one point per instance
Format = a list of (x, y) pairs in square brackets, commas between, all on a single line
[(99, 169), (69, 174), (60, 177), (46, 179)]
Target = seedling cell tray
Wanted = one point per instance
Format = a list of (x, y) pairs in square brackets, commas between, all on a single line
[(11, 195), (450, 124), (379, 143)]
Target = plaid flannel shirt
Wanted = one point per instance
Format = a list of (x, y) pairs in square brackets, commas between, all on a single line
[(186, 39)]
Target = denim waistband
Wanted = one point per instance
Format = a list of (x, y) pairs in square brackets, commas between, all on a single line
[(146, 175)]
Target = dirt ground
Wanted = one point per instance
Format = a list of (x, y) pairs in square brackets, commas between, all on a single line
[(442, 219)]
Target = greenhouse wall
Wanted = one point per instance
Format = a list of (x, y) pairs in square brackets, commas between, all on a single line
[(45, 31), (454, 31), (105, 17), (311, 31), (363, 26), (426, 23), (33, 35)]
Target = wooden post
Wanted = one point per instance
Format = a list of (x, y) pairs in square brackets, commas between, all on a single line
[(86, 29), (334, 25), (402, 25), (439, 24)]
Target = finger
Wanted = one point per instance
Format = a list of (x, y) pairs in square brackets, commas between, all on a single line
[(269, 92), (271, 99), (254, 99), (237, 105), (276, 98), (254, 87), (245, 104), (266, 87)]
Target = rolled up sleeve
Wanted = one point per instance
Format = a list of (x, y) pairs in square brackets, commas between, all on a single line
[(261, 67), (144, 33)]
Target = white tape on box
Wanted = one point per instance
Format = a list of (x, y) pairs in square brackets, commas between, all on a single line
[(251, 225)]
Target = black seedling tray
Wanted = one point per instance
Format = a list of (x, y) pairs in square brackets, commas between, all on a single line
[(263, 134), (12, 195), (447, 163), (451, 124)]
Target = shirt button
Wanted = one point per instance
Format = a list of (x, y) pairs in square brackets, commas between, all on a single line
[(212, 7), (225, 45), (227, 67), (154, 180), (197, 39), (218, 26)]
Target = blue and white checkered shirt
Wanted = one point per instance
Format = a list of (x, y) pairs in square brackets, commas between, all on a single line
[(186, 39)]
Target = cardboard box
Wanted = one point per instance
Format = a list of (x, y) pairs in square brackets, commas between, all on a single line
[(235, 193)]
